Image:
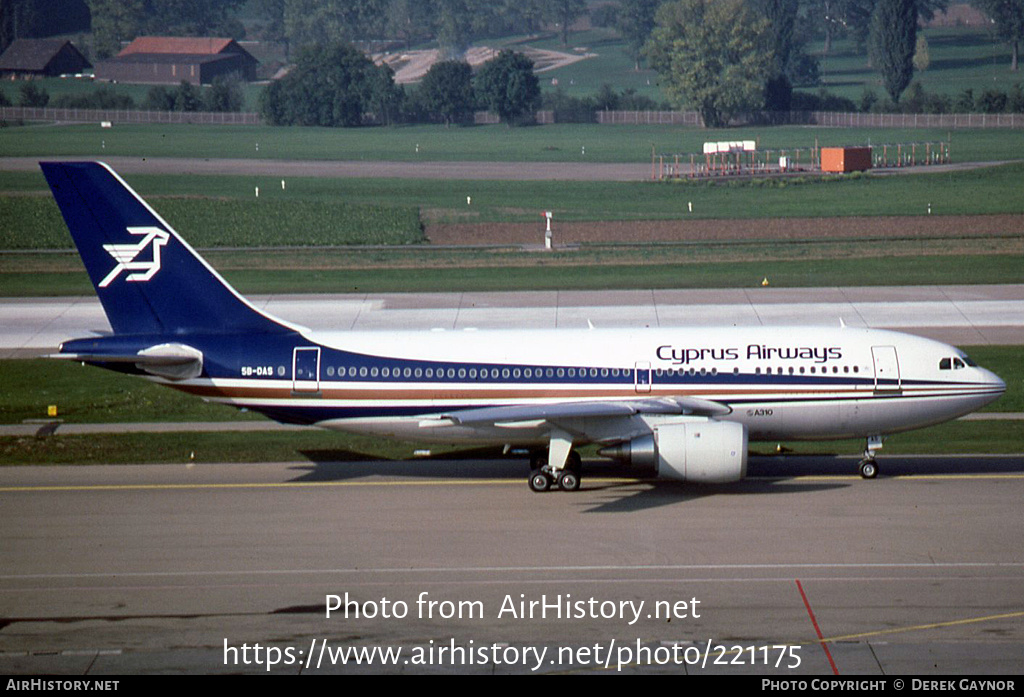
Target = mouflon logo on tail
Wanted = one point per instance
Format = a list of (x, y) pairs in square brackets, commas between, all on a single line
[(126, 255)]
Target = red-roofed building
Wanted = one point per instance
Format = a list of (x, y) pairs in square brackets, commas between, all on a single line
[(171, 59)]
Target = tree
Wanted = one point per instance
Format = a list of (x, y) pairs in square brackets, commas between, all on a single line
[(564, 13), (330, 85), (781, 16), (893, 39), (33, 96), (712, 55), (309, 22), (225, 94), (635, 21), (1008, 16), (187, 97), (447, 90), (453, 26), (114, 21), (508, 87)]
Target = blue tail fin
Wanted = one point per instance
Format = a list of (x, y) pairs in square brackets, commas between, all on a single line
[(149, 280)]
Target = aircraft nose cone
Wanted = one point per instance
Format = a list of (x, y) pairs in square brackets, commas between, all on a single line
[(998, 383)]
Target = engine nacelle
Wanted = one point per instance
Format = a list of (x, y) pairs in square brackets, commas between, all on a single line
[(709, 452)]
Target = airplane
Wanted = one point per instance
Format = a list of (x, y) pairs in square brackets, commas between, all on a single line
[(678, 403)]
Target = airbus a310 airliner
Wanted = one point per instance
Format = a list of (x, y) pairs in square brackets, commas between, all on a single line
[(679, 403)]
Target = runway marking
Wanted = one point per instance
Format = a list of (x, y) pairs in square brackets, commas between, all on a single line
[(257, 485), (462, 482), (922, 627), (817, 629)]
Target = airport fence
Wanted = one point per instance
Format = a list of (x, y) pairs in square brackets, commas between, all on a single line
[(667, 118), (22, 113)]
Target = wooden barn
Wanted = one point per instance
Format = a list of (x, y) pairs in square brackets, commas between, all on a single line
[(31, 58), (171, 59)]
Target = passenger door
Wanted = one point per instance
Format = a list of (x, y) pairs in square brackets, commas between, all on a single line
[(887, 369)]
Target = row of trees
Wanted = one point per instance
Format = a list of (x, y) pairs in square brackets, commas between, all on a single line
[(225, 94), (338, 85), (717, 56), (723, 57), (453, 24)]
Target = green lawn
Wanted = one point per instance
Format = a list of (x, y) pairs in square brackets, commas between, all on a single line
[(553, 143), (961, 58), (223, 211), (384, 271), (330, 446)]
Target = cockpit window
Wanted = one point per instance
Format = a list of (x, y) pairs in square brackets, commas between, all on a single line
[(969, 362), (945, 364), (958, 364)]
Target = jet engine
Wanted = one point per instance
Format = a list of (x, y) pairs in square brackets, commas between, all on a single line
[(708, 452)]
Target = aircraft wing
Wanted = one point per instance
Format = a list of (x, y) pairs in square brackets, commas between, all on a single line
[(568, 410)]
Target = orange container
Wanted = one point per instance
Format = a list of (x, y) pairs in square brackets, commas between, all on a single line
[(845, 159)]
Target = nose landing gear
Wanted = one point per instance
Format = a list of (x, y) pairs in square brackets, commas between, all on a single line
[(868, 466)]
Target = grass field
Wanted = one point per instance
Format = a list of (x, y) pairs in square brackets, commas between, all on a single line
[(961, 58), (552, 143), (35, 222), (223, 211), (387, 271), (328, 446)]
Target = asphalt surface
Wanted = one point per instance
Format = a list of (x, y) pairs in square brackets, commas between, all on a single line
[(508, 171), (177, 568)]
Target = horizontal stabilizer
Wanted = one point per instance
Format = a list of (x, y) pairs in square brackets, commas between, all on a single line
[(171, 361)]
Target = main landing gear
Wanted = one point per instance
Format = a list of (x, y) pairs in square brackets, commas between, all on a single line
[(543, 476), (868, 466)]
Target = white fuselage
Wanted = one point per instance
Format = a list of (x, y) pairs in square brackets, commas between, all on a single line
[(781, 383)]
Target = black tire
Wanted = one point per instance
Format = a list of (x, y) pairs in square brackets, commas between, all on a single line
[(539, 481), (869, 469), (568, 480)]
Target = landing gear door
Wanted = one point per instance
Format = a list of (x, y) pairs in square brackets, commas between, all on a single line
[(306, 370), (642, 377), (887, 369)]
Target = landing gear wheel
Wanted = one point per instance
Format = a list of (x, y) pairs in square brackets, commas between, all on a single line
[(539, 481), (868, 469), (568, 480)]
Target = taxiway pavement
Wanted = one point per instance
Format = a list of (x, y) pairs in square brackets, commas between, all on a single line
[(964, 315), (175, 568)]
